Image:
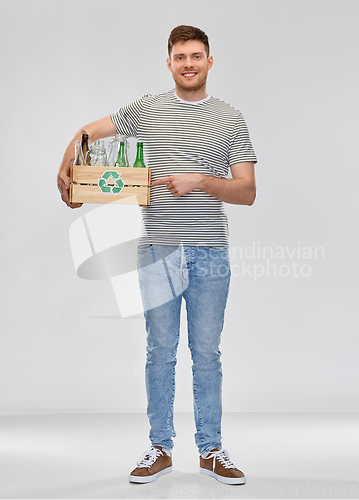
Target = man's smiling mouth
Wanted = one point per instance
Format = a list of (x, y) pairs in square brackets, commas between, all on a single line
[(189, 74)]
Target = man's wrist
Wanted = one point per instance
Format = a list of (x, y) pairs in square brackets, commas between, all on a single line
[(203, 182)]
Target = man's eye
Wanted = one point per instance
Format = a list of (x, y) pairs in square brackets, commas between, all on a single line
[(179, 58)]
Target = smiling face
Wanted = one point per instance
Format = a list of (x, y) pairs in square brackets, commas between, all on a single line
[(189, 65)]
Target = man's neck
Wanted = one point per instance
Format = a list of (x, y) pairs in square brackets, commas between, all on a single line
[(191, 95)]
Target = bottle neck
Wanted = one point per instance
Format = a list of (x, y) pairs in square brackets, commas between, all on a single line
[(84, 144), (139, 162), (122, 156), (79, 159)]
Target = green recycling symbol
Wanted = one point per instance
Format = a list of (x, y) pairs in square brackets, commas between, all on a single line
[(116, 188)]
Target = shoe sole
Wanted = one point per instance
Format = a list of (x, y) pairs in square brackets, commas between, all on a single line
[(149, 479), (222, 479)]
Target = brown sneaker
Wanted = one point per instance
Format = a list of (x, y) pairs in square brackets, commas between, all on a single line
[(152, 464), (218, 465)]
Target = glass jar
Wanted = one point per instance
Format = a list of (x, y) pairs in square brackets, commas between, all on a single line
[(96, 155)]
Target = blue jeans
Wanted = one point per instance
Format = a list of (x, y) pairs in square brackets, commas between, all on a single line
[(200, 275)]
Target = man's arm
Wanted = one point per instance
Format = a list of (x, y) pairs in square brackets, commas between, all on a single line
[(240, 190), (96, 130)]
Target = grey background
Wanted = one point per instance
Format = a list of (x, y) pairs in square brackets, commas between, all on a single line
[(290, 343)]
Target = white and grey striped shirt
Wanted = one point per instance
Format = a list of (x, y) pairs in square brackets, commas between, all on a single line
[(205, 137)]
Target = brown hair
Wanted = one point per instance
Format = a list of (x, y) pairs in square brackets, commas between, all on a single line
[(184, 33)]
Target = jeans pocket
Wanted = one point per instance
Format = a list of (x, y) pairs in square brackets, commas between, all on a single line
[(144, 248), (218, 249), (218, 252)]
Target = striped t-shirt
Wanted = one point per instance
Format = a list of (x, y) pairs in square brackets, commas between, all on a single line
[(179, 137)]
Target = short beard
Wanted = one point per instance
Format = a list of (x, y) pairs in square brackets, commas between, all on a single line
[(192, 89)]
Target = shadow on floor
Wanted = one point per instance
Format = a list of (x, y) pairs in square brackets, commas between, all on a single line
[(197, 486)]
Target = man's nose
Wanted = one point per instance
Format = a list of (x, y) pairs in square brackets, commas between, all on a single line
[(188, 62)]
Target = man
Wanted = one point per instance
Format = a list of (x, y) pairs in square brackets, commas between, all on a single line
[(190, 141)]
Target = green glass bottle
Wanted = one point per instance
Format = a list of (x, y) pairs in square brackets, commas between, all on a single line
[(122, 156), (139, 162)]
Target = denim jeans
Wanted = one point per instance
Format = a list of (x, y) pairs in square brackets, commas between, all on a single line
[(200, 275)]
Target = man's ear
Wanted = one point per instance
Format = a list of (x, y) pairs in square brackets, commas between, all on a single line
[(210, 62), (169, 66)]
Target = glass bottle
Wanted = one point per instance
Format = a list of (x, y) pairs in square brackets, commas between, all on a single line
[(122, 160), (85, 145), (114, 148), (101, 157), (139, 162), (79, 157)]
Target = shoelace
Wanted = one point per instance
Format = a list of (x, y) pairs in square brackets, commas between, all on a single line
[(149, 457), (223, 458)]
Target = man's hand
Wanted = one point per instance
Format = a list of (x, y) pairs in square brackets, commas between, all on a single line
[(95, 130), (240, 190), (63, 184), (180, 184)]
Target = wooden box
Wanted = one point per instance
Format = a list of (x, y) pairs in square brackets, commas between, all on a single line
[(110, 185)]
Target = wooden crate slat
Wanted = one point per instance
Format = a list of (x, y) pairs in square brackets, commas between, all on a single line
[(130, 176), (92, 194)]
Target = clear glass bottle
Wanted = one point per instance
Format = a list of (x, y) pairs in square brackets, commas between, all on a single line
[(114, 149), (79, 157)]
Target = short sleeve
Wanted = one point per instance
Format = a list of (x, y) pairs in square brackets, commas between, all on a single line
[(127, 119), (241, 148)]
